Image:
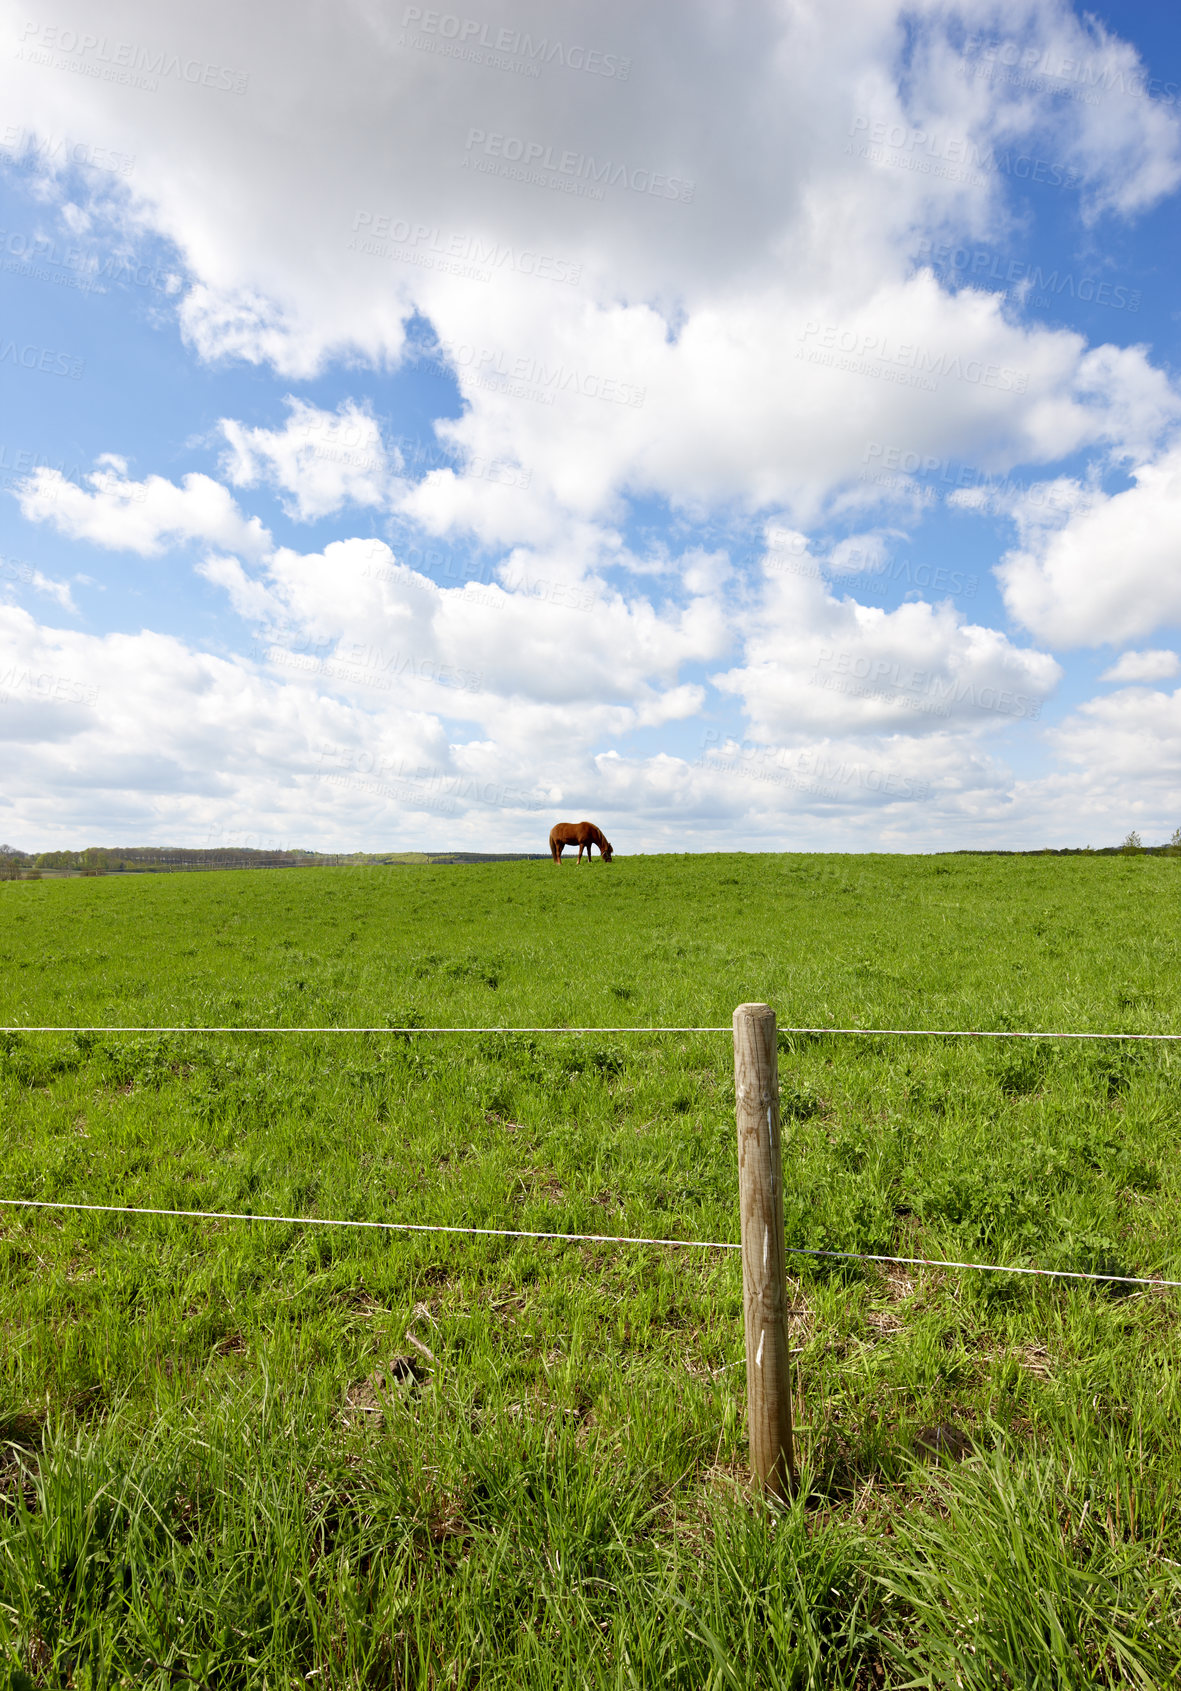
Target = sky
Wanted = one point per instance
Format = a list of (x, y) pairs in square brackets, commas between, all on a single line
[(748, 426)]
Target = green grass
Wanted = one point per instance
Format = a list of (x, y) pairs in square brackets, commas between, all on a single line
[(224, 1463)]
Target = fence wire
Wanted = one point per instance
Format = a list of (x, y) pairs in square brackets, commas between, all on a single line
[(863, 1033), (597, 1238), (575, 1238)]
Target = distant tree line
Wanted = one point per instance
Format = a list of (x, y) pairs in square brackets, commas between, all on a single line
[(114, 860), (1131, 846)]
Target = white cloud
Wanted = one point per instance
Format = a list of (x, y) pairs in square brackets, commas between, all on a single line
[(751, 405), (59, 590), (677, 320), (141, 737), (249, 597), (703, 572), (1144, 666), (321, 459), (99, 729), (1109, 572), (859, 554), (1126, 753), (140, 516), (543, 652), (817, 664), (15, 572), (1053, 90), (1032, 507)]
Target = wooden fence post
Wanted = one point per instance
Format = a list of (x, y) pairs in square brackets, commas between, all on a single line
[(764, 1295)]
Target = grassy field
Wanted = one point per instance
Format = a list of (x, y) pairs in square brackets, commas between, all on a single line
[(228, 1460)]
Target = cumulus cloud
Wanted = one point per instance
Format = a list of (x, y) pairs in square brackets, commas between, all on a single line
[(869, 791), (765, 400), (321, 460), (1108, 572), (705, 310), (541, 652), (146, 516), (815, 663), (1144, 666), (1046, 88), (102, 729), (1125, 750), (859, 554)]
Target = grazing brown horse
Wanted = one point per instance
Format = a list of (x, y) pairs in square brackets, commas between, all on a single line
[(580, 834)]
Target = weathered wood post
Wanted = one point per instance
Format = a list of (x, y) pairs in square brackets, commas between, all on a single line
[(764, 1293)]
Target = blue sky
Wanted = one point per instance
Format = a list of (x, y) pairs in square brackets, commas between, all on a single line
[(412, 442)]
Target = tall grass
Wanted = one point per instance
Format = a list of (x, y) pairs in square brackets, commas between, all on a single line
[(227, 1462)]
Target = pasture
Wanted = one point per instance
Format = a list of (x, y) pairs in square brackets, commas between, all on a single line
[(228, 1460)]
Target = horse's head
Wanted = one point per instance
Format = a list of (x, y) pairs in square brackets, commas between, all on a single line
[(605, 851)]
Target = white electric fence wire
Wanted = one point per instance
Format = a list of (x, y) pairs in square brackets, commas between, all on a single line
[(594, 1238), (864, 1033), (575, 1238)]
